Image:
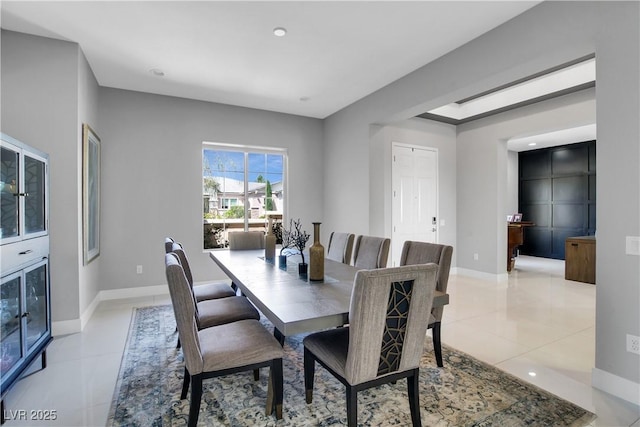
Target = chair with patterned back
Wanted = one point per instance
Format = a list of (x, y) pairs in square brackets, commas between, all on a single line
[(340, 247), (383, 343), (220, 350), (371, 252), (423, 253)]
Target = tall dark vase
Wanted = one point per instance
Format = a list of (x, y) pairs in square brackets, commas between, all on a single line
[(316, 256)]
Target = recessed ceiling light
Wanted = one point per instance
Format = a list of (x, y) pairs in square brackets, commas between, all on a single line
[(532, 144), (279, 32), (532, 374), (157, 72)]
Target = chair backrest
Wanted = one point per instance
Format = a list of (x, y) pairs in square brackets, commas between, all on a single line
[(246, 240), (424, 252), (371, 252), (388, 317), (340, 247), (168, 243), (184, 308), (178, 249)]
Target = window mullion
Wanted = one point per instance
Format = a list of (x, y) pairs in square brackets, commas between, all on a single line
[(246, 191)]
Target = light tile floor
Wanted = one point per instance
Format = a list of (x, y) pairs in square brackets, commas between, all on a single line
[(534, 322)]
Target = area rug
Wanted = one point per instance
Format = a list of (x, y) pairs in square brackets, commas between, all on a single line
[(466, 392)]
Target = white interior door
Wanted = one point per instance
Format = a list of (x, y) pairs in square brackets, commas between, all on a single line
[(415, 182)]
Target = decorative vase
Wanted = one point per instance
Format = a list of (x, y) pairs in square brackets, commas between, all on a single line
[(282, 262), (270, 244), (302, 269), (316, 256)]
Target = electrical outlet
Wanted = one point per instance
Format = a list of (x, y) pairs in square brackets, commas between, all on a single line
[(139, 269), (633, 344)]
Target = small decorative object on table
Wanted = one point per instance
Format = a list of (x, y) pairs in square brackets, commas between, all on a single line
[(286, 237), (299, 237), (270, 243), (316, 256)]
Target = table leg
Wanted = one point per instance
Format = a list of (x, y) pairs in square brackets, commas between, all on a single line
[(279, 336)]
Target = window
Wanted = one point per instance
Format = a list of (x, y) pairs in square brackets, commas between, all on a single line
[(240, 188)]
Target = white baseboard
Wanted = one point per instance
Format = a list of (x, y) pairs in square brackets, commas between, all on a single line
[(502, 277), (615, 385), (144, 291), (66, 327)]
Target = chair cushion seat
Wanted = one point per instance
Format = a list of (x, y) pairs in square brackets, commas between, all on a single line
[(330, 347), (225, 310), (212, 291), (237, 344)]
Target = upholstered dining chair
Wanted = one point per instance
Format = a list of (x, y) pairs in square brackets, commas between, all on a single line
[(371, 252), (205, 291), (340, 247), (422, 253), (383, 343), (214, 312), (220, 350), (245, 240), (168, 244)]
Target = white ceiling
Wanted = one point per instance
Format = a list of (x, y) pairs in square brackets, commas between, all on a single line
[(335, 52)]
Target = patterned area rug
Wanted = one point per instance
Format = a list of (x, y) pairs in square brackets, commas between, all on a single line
[(466, 392)]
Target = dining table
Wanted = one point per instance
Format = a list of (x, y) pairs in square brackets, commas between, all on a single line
[(291, 302)]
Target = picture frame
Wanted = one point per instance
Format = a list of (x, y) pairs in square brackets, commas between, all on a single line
[(517, 217), (509, 218), (90, 194)]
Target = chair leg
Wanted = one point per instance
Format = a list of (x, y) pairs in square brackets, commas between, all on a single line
[(256, 374), (352, 407), (437, 345), (414, 397), (309, 372), (178, 343), (277, 378), (185, 384), (196, 396)]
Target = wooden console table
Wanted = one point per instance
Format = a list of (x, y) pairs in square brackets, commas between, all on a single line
[(515, 231)]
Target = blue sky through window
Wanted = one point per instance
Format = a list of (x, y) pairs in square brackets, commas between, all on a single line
[(231, 165)]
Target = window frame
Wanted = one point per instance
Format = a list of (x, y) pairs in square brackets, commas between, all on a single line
[(247, 150)]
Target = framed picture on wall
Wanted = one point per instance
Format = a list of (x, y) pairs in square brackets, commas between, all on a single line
[(90, 194), (517, 217)]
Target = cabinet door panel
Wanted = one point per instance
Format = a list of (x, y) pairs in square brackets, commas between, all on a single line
[(36, 304), (9, 203), (34, 199), (10, 323)]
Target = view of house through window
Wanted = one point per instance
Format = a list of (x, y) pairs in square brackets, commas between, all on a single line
[(240, 190)]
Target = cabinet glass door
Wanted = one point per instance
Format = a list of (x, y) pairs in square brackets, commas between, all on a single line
[(34, 195), (36, 303), (9, 202), (10, 323)]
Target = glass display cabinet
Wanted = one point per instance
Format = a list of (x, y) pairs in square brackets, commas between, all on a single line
[(25, 308)]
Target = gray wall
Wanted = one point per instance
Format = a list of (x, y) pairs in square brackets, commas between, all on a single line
[(152, 176), (42, 105), (550, 34)]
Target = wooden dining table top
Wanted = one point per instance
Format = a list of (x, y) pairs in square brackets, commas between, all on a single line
[(292, 303)]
